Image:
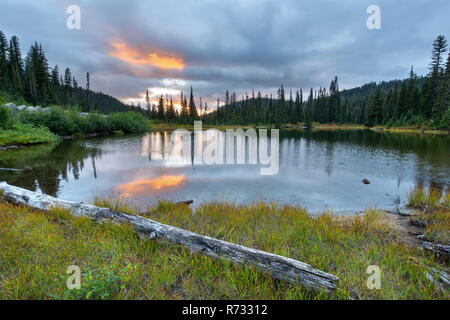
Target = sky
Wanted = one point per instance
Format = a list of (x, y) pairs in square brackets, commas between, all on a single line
[(167, 46)]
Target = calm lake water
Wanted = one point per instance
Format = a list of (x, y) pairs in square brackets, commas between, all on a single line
[(317, 170)]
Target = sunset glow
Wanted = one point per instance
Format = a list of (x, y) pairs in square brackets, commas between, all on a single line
[(138, 56), (141, 186)]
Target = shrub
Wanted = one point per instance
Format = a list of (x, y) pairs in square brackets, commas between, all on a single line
[(97, 123), (70, 122), (57, 120), (130, 122), (5, 117)]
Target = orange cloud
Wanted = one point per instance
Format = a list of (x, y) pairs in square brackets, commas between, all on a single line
[(140, 186), (143, 57)]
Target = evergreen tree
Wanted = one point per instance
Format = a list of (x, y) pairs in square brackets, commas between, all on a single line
[(375, 110), (334, 101), (16, 67), (4, 74), (192, 109), (161, 111), (442, 103), (88, 89), (147, 103), (55, 86), (436, 71)]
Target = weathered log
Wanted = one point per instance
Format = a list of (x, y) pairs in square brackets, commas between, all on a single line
[(439, 249), (279, 267)]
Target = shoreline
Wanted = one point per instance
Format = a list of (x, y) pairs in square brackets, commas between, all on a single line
[(299, 127)]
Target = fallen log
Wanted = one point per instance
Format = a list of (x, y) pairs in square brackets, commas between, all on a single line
[(439, 249), (279, 267)]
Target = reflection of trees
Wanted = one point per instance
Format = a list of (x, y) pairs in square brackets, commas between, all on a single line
[(45, 166), (432, 152)]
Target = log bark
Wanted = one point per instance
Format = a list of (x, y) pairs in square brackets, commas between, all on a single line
[(439, 249), (279, 267)]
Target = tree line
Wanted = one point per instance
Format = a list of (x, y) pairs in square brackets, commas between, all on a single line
[(31, 80), (411, 101), (415, 100)]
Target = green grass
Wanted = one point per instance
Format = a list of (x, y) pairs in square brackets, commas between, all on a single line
[(21, 134), (36, 248), (433, 211)]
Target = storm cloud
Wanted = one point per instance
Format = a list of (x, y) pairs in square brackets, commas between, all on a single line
[(167, 46)]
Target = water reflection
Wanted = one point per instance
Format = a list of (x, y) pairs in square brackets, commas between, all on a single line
[(44, 167), (144, 185), (317, 170)]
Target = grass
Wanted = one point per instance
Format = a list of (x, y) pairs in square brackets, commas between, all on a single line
[(36, 248), (21, 134), (411, 130), (433, 212), (157, 125), (316, 127)]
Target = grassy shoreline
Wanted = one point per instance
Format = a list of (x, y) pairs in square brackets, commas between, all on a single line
[(36, 248), (316, 127), (31, 127)]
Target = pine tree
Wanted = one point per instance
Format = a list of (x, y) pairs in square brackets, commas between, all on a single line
[(36, 76), (171, 114), (308, 113), (442, 103), (4, 74), (147, 103), (334, 101), (161, 108), (16, 66), (55, 86), (375, 110), (431, 85), (192, 109), (88, 89)]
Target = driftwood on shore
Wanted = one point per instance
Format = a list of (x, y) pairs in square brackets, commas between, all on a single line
[(279, 267), (439, 249)]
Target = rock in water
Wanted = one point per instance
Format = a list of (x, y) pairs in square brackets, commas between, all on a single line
[(365, 181)]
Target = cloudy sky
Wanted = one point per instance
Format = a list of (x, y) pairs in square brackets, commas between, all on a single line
[(166, 46)]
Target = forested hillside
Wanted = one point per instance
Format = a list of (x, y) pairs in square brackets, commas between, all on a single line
[(31, 80), (416, 100)]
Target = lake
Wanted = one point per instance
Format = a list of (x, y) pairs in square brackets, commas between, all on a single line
[(317, 170)]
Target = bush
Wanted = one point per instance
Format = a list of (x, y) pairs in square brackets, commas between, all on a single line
[(5, 118), (70, 122), (130, 122), (56, 120), (98, 123)]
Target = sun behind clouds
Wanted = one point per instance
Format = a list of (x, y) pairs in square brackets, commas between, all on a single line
[(139, 56)]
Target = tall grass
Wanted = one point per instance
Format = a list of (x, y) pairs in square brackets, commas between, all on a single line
[(20, 134), (430, 198), (36, 249), (433, 212)]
